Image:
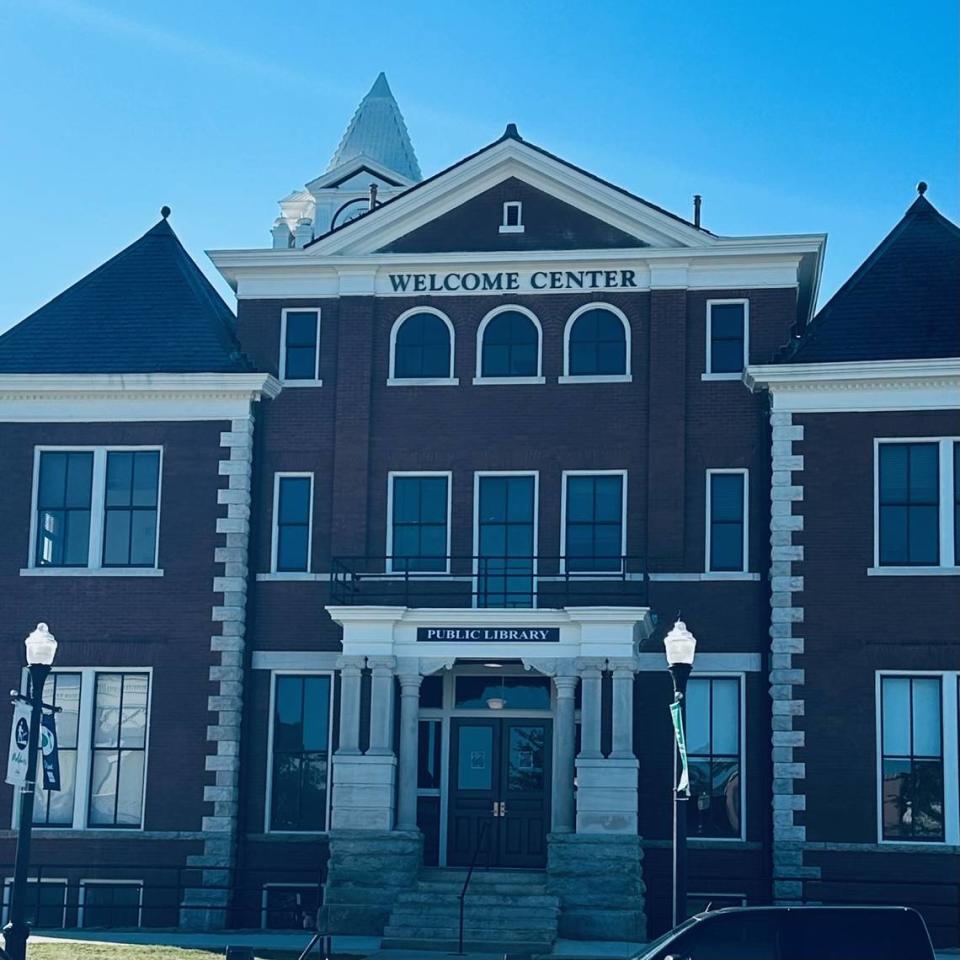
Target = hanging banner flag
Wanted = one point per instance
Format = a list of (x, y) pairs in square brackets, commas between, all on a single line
[(684, 785), (49, 753), (19, 740)]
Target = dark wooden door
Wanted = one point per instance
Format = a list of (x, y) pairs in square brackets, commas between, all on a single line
[(499, 776)]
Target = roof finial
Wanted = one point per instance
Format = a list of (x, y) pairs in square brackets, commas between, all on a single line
[(922, 187), (511, 133), (164, 211)]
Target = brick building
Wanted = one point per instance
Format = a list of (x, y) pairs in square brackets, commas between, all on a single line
[(376, 574)]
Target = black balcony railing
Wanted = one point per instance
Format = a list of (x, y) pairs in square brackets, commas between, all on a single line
[(548, 582)]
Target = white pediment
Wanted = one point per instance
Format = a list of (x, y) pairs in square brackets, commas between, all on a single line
[(500, 161)]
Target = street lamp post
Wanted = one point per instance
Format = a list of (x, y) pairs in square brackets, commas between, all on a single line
[(41, 649), (680, 646)]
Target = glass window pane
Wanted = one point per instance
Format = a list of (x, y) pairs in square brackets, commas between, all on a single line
[(302, 328), (525, 760), (493, 498), (433, 499), (523, 360), (133, 727), (726, 496), (726, 717), (143, 538), (294, 499), (103, 788), (580, 498), (52, 484), (68, 699), (520, 498), (106, 726), (77, 547), (433, 543), (895, 694), (288, 714), (611, 358), (111, 905), (926, 800), (926, 717), (119, 478), (55, 807), (129, 803), (285, 798), (893, 472), (726, 546), (609, 492), (924, 473), (475, 758), (924, 535), (146, 473), (116, 537), (301, 363), (698, 716), (406, 499), (428, 754), (292, 548), (726, 356), (893, 535), (313, 791), (79, 479), (726, 320), (316, 713)]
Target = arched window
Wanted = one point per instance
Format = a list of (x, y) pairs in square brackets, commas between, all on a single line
[(421, 346), (509, 344), (597, 342)]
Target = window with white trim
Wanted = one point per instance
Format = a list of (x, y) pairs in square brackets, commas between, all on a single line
[(714, 750), (110, 903), (597, 343), (46, 903), (292, 522), (418, 531), (102, 731), (509, 345), (422, 347), (300, 346), (727, 521), (290, 906), (96, 507), (299, 752), (727, 337), (912, 757), (594, 532), (917, 503), (512, 221)]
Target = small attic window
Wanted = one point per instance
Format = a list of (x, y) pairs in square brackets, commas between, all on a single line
[(512, 217)]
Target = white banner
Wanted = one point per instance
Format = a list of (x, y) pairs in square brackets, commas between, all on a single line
[(19, 739)]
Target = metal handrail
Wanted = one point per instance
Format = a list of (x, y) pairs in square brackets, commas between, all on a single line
[(466, 883), (484, 580)]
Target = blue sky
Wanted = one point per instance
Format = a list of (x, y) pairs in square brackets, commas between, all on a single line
[(787, 118)]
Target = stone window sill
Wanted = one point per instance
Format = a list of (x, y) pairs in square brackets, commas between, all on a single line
[(291, 576), (913, 572), (91, 572), (738, 375), (423, 382), (301, 383), (708, 577), (596, 378), (506, 381)]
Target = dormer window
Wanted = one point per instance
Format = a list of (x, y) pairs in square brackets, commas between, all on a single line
[(512, 217)]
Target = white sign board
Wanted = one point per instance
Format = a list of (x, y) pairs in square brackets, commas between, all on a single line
[(19, 739)]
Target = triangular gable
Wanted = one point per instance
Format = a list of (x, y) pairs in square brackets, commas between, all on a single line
[(337, 176), (546, 224), (505, 159)]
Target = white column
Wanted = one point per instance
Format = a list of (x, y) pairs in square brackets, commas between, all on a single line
[(381, 705), (409, 743), (623, 672), (564, 732), (591, 670), (351, 669)]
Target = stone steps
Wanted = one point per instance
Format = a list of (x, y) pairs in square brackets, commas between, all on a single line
[(504, 911), (513, 949)]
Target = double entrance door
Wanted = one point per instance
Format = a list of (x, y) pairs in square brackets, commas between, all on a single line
[(499, 799)]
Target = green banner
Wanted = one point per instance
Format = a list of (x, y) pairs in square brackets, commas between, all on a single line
[(684, 785)]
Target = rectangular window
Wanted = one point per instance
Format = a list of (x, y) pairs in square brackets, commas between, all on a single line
[(300, 350), (292, 522), (428, 754), (96, 508), (512, 217), (418, 530), (956, 503), (300, 753), (119, 750), (912, 768), (64, 504), (714, 753), (46, 903), (727, 341), (290, 906), (909, 518), (726, 521), (506, 509), (55, 808), (110, 903), (130, 502), (593, 530)]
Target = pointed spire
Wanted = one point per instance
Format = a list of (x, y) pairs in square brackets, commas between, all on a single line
[(377, 131)]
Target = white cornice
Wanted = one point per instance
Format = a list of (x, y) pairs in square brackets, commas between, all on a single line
[(47, 397), (859, 386)]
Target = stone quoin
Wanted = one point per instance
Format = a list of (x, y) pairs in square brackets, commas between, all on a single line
[(373, 576)]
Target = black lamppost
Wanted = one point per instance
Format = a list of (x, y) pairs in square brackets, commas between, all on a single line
[(680, 646), (41, 649)]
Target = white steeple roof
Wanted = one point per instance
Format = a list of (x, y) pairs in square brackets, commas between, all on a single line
[(377, 131)]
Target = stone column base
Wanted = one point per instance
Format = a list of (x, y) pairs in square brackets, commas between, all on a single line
[(599, 880), (366, 871)]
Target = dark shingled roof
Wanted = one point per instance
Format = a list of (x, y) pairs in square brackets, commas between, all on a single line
[(149, 309), (903, 303)]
